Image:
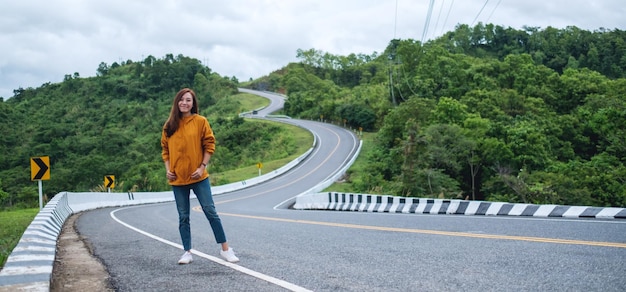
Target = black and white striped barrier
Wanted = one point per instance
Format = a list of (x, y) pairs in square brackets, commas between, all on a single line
[(393, 204)]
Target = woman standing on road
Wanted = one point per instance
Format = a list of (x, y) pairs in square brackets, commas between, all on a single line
[(187, 144)]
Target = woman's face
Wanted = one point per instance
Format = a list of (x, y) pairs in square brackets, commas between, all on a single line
[(185, 104)]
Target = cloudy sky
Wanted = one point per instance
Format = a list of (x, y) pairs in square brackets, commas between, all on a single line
[(41, 41)]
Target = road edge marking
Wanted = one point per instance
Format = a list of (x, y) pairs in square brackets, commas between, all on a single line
[(258, 275)]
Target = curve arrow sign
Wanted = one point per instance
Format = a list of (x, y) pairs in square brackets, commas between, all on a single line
[(40, 168), (109, 181)]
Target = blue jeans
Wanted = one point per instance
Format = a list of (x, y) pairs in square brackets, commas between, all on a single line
[(202, 190)]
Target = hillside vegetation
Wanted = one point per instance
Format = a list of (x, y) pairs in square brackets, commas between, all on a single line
[(111, 125), (484, 113)]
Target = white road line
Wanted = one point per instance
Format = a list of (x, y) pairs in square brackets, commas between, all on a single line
[(267, 278)]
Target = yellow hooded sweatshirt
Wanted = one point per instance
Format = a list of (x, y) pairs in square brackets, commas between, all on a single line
[(185, 148)]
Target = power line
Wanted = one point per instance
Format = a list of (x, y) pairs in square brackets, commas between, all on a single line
[(492, 11), (438, 16), (447, 15), (479, 12), (430, 12), (395, 21), (391, 86)]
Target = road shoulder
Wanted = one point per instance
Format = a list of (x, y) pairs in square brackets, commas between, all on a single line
[(75, 268)]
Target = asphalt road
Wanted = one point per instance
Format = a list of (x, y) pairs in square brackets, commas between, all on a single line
[(351, 251), (284, 249)]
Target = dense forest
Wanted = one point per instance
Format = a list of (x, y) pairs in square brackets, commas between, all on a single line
[(482, 113), (111, 124)]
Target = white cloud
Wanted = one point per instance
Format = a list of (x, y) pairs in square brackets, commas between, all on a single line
[(41, 41)]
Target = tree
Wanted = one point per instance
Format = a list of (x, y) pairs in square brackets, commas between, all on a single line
[(103, 69), (449, 111), (527, 141), (446, 148), (5, 198), (476, 129), (357, 116), (576, 85)]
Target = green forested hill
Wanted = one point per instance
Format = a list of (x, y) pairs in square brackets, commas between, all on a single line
[(111, 124), (484, 112), (535, 116)]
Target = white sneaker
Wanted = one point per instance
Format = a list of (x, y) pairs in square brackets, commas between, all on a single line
[(185, 259), (229, 255)]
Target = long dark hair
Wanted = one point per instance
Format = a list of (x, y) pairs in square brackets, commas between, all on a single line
[(171, 125)]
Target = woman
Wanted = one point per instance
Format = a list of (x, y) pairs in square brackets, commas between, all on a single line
[(187, 141)]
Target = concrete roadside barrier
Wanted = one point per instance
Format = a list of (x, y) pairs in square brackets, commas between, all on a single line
[(395, 204)]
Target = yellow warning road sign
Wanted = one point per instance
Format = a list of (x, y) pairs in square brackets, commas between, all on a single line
[(109, 181), (40, 168)]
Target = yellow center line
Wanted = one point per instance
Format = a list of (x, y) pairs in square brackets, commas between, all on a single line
[(436, 232)]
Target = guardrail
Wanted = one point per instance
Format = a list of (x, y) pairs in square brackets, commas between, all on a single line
[(395, 204)]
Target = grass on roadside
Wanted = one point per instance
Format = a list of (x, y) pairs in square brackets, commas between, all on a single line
[(353, 174), (250, 101), (302, 137), (12, 226)]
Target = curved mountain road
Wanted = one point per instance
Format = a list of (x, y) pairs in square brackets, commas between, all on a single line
[(284, 249)]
